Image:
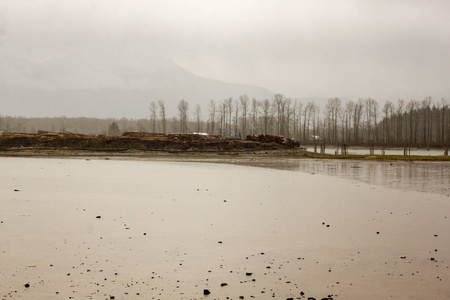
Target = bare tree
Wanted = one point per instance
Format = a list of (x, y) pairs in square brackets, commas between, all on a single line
[(236, 119), (162, 114), (244, 101), (412, 116), (212, 115), (198, 116), (299, 120), (280, 104), (265, 106), (255, 110), (153, 108), (349, 111), (223, 117), (183, 107), (287, 117), (334, 109), (388, 109), (230, 112), (399, 121), (358, 112)]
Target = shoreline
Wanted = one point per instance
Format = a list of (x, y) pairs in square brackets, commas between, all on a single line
[(206, 155)]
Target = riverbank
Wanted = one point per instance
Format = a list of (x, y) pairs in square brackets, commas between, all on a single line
[(180, 155)]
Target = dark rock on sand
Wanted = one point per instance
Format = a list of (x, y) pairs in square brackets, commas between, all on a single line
[(206, 292)]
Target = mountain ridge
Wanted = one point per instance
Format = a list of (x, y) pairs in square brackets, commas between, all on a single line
[(77, 86)]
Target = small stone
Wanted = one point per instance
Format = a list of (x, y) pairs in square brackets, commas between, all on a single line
[(223, 284), (16, 190), (27, 285), (248, 274), (206, 292), (98, 217)]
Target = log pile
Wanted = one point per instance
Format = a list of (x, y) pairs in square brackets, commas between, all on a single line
[(139, 141), (275, 139)]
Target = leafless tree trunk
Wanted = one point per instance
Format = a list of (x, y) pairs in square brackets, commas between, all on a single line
[(212, 116), (266, 115), (153, 108), (244, 101), (198, 116), (230, 112), (183, 107), (236, 119), (255, 110), (162, 113)]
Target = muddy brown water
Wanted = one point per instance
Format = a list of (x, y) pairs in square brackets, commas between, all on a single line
[(97, 229)]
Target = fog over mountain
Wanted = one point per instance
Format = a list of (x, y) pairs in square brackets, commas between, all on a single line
[(111, 58), (107, 86)]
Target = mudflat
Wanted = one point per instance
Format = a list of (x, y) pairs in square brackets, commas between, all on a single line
[(139, 229)]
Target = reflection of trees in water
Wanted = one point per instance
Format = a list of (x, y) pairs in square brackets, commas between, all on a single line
[(424, 177), (419, 176)]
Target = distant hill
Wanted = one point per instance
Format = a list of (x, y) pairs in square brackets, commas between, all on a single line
[(112, 86)]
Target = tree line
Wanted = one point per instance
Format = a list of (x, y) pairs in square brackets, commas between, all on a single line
[(414, 123)]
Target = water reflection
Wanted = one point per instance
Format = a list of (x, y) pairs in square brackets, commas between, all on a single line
[(377, 151), (420, 176)]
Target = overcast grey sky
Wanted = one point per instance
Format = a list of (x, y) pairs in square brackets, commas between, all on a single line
[(381, 49)]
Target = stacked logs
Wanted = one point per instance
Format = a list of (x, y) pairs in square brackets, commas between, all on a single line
[(139, 141)]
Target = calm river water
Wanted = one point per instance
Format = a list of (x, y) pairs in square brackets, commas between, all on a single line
[(136, 229)]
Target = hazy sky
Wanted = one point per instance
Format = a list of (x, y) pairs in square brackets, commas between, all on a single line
[(381, 49)]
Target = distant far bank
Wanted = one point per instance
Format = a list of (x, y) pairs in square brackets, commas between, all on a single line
[(185, 147), (419, 124)]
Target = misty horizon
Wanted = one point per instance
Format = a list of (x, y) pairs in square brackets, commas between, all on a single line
[(96, 58)]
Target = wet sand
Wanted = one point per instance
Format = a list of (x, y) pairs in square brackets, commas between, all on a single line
[(123, 229)]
